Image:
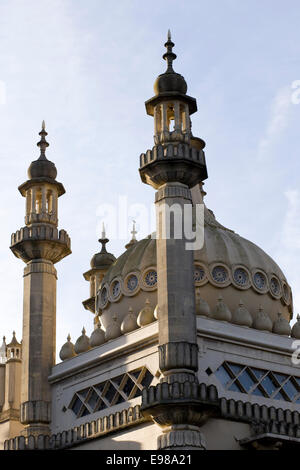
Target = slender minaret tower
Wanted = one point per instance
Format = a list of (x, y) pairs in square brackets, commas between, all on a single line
[(40, 245), (174, 165)]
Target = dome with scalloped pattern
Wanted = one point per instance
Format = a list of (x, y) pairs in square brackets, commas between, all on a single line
[(227, 265)]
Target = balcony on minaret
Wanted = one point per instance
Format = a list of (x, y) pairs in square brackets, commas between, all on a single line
[(171, 122), (41, 205)]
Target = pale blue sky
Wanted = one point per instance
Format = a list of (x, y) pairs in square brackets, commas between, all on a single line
[(87, 67)]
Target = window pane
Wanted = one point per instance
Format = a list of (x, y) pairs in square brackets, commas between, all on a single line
[(236, 369), (76, 406), (93, 400), (234, 388), (223, 376), (280, 377), (290, 390), (246, 381), (257, 392), (148, 377), (128, 387), (269, 385), (258, 372)]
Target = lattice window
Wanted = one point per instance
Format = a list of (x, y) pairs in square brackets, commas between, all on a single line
[(259, 382), (111, 392)]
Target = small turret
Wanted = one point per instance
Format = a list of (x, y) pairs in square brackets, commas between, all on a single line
[(100, 263)]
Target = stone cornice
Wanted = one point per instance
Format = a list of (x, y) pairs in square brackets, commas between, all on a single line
[(119, 347), (231, 333)]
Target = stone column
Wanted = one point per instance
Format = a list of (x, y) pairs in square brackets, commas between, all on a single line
[(39, 323), (176, 292)]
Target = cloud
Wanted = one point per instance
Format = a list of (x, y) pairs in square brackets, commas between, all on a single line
[(277, 123)]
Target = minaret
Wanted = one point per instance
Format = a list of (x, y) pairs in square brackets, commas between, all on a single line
[(174, 166), (40, 245)]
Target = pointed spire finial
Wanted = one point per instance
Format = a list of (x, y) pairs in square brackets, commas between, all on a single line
[(69, 337), (43, 144), (103, 231), (169, 56), (133, 231)]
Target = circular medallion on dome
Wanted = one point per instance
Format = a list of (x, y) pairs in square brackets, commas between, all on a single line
[(116, 289), (241, 277), (260, 281), (275, 286), (132, 283), (286, 293), (103, 295), (219, 274), (199, 274), (150, 278)]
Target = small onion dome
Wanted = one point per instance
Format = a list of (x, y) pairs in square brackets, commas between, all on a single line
[(42, 167), (296, 329), (282, 326), (221, 311), (97, 337), (67, 351), (113, 330), (103, 258), (83, 343), (129, 323), (155, 313), (146, 315), (241, 316), (262, 321), (170, 81), (202, 307)]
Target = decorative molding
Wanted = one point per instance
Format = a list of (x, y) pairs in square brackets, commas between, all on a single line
[(40, 267), (178, 355), (35, 412), (181, 439), (173, 190)]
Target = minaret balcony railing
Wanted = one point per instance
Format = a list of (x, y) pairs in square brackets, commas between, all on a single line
[(40, 218), (172, 136), (171, 151), (41, 233)]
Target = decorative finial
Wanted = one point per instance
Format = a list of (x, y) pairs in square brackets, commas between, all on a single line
[(133, 231), (43, 144), (69, 336), (103, 240), (103, 231), (4, 338), (169, 56), (83, 331)]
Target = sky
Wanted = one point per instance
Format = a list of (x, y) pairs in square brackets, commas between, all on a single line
[(87, 66)]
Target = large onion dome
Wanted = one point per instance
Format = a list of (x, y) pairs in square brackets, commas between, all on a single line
[(227, 265)]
